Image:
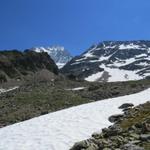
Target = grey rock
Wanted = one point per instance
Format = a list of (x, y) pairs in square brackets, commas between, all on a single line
[(126, 105), (145, 137), (111, 131), (131, 146), (86, 144), (115, 118)]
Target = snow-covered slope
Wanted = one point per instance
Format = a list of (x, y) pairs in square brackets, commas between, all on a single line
[(112, 61), (60, 130), (58, 53)]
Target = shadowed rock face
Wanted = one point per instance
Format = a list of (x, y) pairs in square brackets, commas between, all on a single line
[(15, 64), (129, 59)]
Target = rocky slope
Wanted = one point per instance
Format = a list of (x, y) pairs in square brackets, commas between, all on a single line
[(45, 92), (16, 65), (112, 61), (131, 131), (58, 53)]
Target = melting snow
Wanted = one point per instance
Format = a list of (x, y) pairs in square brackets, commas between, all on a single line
[(77, 89), (121, 75), (130, 46), (94, 77), (60, 65), (7, 90), (109, 47), (141, 55), (60, 130), (143, 64)]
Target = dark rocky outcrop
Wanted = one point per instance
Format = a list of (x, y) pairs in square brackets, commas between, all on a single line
[(15, 64), (126, 105)]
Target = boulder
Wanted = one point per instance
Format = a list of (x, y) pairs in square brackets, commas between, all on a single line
[(111, 131), (80, 145), (125, 105), (115, 118)]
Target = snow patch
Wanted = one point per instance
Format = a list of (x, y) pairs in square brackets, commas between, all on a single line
[(129, 46), (109, 47), (94, 77), (60, 65), (7, 90), (117, 74), (76, 89), (141, 55)]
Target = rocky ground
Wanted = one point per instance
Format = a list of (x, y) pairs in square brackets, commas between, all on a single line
[(45, 92), (130, 131)]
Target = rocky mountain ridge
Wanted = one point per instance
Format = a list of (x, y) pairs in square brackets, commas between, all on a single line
[(112, 61)]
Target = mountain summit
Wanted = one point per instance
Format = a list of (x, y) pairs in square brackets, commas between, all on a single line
[(58, 53), (112, 61)]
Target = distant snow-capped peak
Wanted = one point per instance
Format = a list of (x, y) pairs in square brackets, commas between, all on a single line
[(112, 61), (58, 53)]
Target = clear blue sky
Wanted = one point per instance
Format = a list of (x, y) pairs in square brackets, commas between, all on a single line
[(75, 24)]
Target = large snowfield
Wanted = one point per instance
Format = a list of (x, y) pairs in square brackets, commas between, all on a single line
[(61, 129)]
